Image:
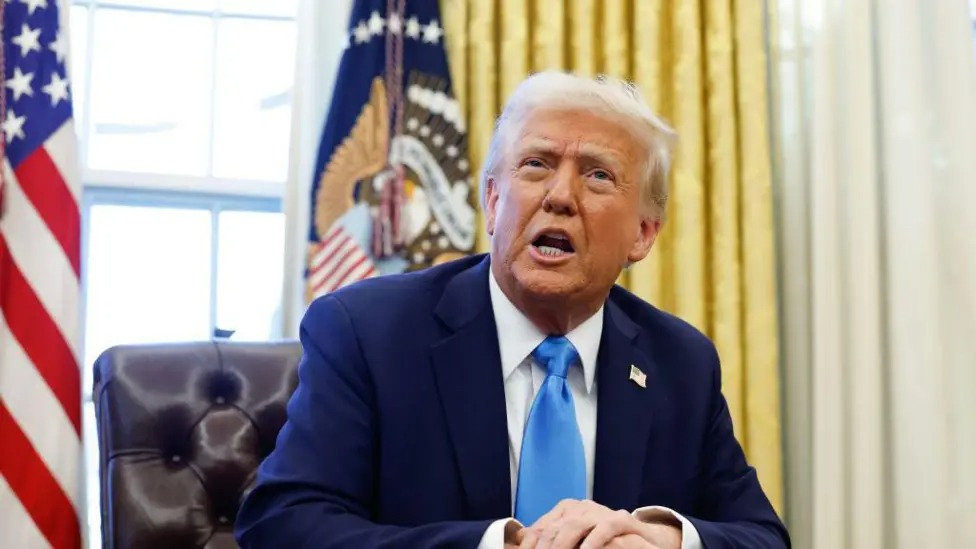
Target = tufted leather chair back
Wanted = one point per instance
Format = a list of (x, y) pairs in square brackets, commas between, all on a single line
[(181, 430)]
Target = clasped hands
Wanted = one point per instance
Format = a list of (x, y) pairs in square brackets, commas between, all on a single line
[(589, 525)]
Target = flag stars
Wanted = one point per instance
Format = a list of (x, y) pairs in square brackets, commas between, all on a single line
[(376, 24), (28, 40), (366, 29), (59, 46), (361, 33), (432, 32), (20, 84), (413, 28), (57, 89), (13, 126)]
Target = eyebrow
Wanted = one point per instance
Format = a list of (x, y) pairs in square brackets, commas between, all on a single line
[(588, 152)]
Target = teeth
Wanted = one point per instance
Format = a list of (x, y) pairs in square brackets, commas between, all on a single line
[(550, 251), (557, 236)]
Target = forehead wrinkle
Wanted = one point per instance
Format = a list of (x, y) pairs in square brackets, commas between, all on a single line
[(541, 144), (600, 154)]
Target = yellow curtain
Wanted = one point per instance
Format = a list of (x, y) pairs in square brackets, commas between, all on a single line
[(702, 66)]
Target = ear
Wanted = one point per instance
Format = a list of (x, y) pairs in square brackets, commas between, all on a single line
[(491, 203), (646, 235)]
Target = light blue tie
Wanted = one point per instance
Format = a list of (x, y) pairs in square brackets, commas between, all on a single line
[(551, 466)]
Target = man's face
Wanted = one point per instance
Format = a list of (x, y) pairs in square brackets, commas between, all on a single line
[(563, 208)]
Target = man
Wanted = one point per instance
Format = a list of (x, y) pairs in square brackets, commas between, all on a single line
[(519, 398)]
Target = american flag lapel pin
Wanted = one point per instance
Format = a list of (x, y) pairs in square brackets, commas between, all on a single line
[(638, 377)]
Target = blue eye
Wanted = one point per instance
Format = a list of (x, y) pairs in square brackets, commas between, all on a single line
[(534, 163), (603, 175)]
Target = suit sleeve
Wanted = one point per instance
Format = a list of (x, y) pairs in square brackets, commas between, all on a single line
[(316, 489), (738, 514)]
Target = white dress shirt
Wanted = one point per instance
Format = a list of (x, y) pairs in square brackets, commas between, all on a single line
[(517, 338)]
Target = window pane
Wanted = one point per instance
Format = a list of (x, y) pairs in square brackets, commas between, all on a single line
[(282, 8), (148, 277), (77, 57), (151, 87), (250, 262), (255, 70)]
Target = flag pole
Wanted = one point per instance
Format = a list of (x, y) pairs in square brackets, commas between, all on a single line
[(387, 239)]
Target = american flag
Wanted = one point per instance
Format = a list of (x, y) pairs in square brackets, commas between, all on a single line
[(40, 387), (338, 261)]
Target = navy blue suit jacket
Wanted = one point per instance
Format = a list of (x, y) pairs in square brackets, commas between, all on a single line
[(397, 433)]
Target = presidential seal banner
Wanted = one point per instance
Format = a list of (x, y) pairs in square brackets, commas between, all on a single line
[(392, 190)]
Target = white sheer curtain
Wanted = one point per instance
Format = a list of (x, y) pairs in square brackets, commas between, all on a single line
[(321, 39), (875, 142)]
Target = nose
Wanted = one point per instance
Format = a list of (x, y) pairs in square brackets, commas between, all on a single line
[(561, 196)]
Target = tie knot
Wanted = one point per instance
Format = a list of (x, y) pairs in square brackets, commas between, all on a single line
[(557, 354)]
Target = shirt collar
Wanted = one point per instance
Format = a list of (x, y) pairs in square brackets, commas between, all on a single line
[(518, 336)]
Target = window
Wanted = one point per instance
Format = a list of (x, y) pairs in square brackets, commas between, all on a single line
[(182, 89), (183, 113), (163, 267)]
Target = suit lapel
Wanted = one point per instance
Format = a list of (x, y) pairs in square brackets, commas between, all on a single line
[(623, 414), (468, 373)]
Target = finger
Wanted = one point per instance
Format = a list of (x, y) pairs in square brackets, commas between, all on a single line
[(530, 538), (569, 523), (578, 518), (543, 527), (630, 541), (555, 513), (620, 524), (570, 531)]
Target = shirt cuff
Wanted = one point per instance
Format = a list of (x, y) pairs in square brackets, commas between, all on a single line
[(494, 537), (689, 534)]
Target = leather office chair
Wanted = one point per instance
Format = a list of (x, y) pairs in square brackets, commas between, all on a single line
[(181, 431)]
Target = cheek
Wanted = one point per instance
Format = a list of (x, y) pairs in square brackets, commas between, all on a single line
[(611, 232), (516, 204), (508, 220)]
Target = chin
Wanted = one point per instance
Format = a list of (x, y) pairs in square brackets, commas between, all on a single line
[(548, 283)]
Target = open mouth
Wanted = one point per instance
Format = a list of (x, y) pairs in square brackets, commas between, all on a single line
[(553, 244)]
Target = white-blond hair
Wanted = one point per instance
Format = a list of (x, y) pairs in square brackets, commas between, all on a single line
[(611, 97)]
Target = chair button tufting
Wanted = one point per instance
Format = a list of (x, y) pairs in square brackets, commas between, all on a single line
[(222, 519), (219, 400), (175, 459)]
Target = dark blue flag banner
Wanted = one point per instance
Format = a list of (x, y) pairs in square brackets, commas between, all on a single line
[(392, 189)]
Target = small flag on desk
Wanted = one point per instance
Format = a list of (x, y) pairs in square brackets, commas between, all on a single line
[(392, 187)]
